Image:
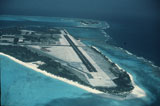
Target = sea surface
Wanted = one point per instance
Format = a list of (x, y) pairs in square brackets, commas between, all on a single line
[(22, 86), (25, 86)]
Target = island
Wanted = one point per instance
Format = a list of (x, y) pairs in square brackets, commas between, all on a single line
[(57, 52)]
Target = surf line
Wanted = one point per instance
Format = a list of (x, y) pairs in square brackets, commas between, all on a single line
[(53, 76), (136, 93)]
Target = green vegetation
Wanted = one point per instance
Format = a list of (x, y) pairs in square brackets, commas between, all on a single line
[(11, 30), (25, 55), (22, 53)]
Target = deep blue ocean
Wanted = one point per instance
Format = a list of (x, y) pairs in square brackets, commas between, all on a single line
[(140, 37), (146, 75)]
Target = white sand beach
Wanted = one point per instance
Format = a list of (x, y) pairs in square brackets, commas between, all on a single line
[(53, 76), (137, 92)]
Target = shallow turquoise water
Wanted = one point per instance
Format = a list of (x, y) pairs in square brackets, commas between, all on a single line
[(65, 22), (22, 86), (144, 73)]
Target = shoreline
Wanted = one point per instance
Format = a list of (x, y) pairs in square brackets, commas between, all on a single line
[(53, 76), (140, 58), (137, 92)]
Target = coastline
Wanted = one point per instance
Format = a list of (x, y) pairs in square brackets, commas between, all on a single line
[(137, 92), (53, 76), (140, 58)]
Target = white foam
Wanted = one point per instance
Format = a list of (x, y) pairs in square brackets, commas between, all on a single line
[(128, 52), (54, 76), (118, 66), (137, 91), (140, 58), (96, 49)]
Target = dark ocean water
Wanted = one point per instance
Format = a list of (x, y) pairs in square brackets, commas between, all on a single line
[(22, 86), (144, 73), (134, 24), (141, 37)]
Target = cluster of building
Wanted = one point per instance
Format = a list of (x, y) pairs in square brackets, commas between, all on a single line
[(38, 36), (11, 39)]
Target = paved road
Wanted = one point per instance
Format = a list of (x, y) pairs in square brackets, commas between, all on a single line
[(81, 56)]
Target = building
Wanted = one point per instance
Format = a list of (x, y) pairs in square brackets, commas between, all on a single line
[(11, 39), (7, 38)]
